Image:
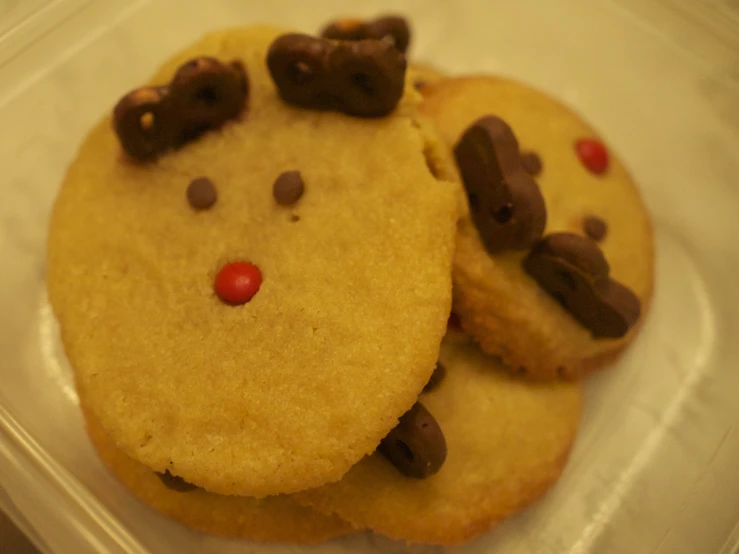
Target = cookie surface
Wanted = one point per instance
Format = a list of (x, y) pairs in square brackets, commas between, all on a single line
[(507, 442), (291, 389), (505, 310), (275, 518), (421, 75)]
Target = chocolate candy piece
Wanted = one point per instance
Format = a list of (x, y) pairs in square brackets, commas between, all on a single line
[(393, 29), (531, 162), (363, 78), (144, 122), (175, 483), (345, 29), (203, 95), (506, 204), (574, 270), (368, 77), (595, 228), (436, 377), (299, 67), (206, 93), (416, 446), (201, 193), (288, 188)]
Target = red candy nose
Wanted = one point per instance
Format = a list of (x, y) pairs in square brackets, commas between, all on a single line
[(593, 155), (237, 282)]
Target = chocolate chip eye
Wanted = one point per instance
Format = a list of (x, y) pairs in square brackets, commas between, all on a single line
[(531, 163), (201, 193), (503, 214), (288, 188), (595, 228)]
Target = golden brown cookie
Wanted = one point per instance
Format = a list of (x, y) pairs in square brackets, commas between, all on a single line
[(422, 75), (507, 443), (292, 388), (274, 519), (502, 306)]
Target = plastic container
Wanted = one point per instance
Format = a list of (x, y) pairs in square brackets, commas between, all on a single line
[(655, 467)]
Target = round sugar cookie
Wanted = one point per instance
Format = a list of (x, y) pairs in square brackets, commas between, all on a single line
[(507, 442), (273, 519), (421, 75), (351, 236), (497, 302)]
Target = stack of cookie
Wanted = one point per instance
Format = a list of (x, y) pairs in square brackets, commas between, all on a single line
[(254, 258)]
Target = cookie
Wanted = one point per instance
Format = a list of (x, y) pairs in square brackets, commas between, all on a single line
[(254, 301), (421, 75), (535, 327), (507, 442), (274, 519)]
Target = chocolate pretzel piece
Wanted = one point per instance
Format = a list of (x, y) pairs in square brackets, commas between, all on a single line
[(363, 78), (573, 269), (392, 29), (416, 446), (505, 202), (203, 95)]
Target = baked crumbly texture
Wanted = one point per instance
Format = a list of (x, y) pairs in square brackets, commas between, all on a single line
[(291, 389), (507, 443), (500, 305), (421, 75), (274, 519)]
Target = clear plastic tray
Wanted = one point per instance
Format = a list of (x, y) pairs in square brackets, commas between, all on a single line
[(655, 467)]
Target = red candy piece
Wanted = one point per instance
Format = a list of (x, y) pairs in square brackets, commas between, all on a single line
[(593, 155), (237, 282)]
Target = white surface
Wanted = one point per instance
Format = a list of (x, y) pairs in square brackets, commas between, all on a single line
[(655, 467)]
